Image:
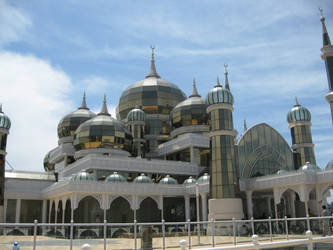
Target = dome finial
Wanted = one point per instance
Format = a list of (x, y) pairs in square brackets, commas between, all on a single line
[(326, 38), (1, 108), (218, 84), (245, 125), (83, 104), (152, 72), (104, 110), (194, 90), (297, 104), (226, 77)]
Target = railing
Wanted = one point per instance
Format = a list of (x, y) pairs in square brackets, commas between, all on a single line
[(231, 234)]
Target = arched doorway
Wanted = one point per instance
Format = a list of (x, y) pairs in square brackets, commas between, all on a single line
[(88, 210), (148, 211), (120, 211)]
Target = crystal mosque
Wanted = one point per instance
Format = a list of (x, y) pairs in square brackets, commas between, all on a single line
[(162, 152)]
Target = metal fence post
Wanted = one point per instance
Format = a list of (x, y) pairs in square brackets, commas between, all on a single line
[(71, 236), (309, 235), (104, 231), (35, 233), (270, 228), (189, 233), (286, 225), (234, 230), (308, 222), (213, 232), (163, 234), (135, 235), (252, 225)]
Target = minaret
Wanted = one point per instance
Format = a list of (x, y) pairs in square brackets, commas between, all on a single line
[(299, 119), (225, 202), (327, 56), (4, 131), (136, 121)]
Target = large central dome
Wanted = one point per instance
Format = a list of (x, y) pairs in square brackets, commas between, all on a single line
[(153, 95)]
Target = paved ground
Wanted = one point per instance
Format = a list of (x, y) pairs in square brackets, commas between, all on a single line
[(50, 243)]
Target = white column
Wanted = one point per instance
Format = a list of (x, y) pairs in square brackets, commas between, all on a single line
[(50, 211), (268, 200), (249, 204), (55, 213), (204, 206), (192, 154), (187, 207), (44, 211), (18, 211), (63, 215), (72, 212), (162, 208), (306, 208), (5, 203)]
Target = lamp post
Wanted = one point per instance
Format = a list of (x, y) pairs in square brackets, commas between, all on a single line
[(198, 208)]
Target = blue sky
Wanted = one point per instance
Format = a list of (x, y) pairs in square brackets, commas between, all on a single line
[(51, 51)]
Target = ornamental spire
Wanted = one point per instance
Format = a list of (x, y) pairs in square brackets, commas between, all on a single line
[(83, 104), (226, 77), (194, 90), (218, 84), (245, 125), (297, 104), (152, 72), (104, 109), (1, 108), (326, 38)]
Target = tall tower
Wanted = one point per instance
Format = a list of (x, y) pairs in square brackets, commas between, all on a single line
[(136, 121), (4, 131), (327, 56), (225, 202), (299, 119)]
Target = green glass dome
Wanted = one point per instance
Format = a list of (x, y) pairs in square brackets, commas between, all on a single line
[(310, 167), (168, 180), (102, 131), (298, 113), (72, 121), (204, 179), (83, 176), (153, 95), (219, 95), (329, 165), (192, 111), (143, 179), (190, 180), (47, 165), (115, 177), (4, 120), (136, 115)]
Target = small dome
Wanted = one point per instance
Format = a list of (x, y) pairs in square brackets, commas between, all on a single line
[(102, 131), (72, 121), (115, 177), (329, 165), (282, 171), (190, 180), (143, 179), (192, 111), (309, 167), (168, 180), (46, 162), (219, 95), (136, 114), (83, 176), (298, 113), (204, 179), (4, 120)]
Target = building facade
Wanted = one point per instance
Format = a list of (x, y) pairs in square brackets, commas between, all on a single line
[(148, 163)]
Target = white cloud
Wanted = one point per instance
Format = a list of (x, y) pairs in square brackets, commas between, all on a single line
[(34, 95), (13, 23), (95, 84)]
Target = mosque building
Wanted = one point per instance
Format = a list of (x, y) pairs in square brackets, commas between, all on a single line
[(149, 162)]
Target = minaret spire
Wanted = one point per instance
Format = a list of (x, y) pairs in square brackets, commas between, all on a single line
[(152, 72), (104, 109), (326, 38), (218, 84), (194, 90), (297, 104), (245, 125), (1, 108), (83, 104), (226, 77)]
